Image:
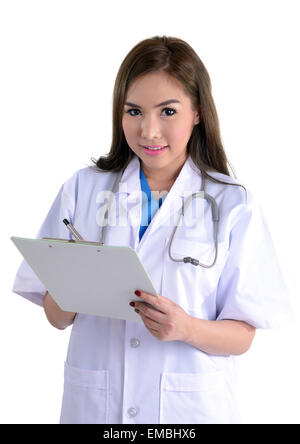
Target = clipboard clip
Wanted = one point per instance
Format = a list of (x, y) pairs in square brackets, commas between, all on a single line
[(75, 233), (73, 241)]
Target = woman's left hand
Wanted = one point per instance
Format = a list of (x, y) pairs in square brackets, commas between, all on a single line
[(169, 322)]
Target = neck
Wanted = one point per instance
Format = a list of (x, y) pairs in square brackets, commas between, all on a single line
[(166, 174)]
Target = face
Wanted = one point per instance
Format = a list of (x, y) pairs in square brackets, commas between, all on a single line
[(148, 122)]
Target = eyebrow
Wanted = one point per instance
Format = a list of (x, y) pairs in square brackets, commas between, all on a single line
[(156, 106)]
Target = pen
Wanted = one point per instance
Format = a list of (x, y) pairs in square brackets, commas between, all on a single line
[(72, 229)]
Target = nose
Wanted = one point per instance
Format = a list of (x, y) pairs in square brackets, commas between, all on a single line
[(150, 128)]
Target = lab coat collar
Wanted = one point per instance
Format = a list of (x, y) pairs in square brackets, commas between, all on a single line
[(130, 180), (187, 182)]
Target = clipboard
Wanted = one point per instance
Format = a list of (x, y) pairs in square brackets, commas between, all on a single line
[(88, 277)]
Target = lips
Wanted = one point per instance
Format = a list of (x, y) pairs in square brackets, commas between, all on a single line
[(154, 152), (154, 146)]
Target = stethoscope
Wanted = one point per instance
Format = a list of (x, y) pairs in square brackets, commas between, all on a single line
[(202, 194)]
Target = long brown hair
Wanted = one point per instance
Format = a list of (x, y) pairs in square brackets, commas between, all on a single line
[(178, 59)]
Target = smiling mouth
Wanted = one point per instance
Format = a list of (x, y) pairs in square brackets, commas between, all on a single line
[(156, 148)]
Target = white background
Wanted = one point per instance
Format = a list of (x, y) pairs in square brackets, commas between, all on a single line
[(59, 60)]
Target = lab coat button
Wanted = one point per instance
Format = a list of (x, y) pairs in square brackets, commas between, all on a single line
[(134, 342), (132, 412)]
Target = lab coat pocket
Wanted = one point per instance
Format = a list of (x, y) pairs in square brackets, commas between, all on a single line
[(195, 398), (85, 398)]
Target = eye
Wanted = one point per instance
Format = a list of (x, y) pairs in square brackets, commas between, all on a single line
[(170, 109), (167, 109), (130, 110)]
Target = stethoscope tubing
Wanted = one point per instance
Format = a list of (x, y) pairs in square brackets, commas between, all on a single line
[(202, 193)]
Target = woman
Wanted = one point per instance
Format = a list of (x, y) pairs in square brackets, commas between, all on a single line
[(178, 365)]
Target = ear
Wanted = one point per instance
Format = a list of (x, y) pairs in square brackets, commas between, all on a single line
[(196, 118)]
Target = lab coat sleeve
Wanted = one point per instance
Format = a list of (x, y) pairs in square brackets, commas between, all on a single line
[(251, 286), (26, 283)]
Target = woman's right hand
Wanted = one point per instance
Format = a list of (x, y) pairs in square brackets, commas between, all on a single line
[(55, 315)]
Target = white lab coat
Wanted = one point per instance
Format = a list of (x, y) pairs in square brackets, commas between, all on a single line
[(115, 370)]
